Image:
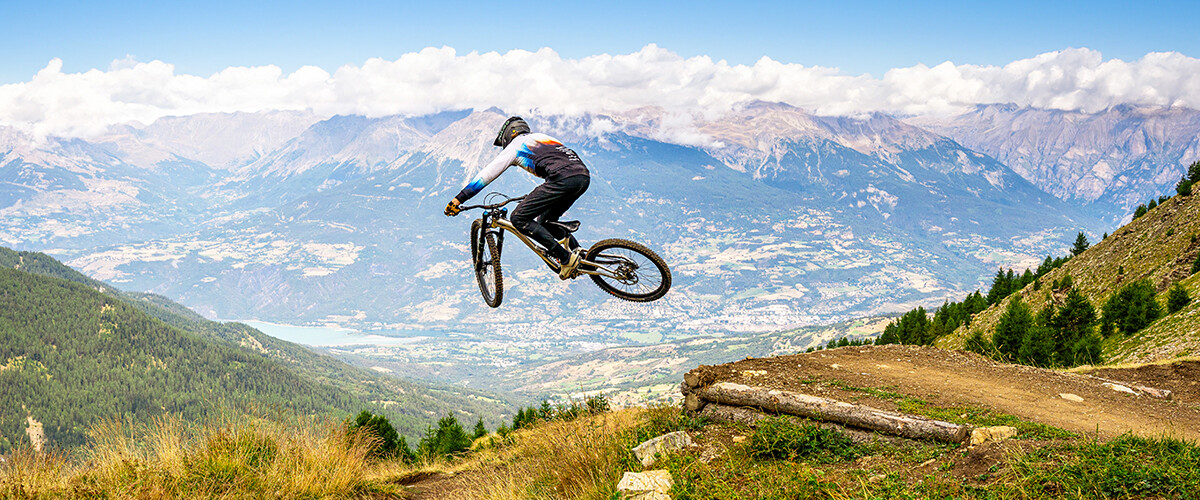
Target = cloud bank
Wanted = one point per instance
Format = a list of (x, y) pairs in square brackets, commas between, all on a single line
[(438, 79)]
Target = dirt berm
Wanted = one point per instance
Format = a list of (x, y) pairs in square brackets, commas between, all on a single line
[(1071, 401)]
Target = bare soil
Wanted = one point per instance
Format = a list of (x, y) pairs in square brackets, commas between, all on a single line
[(961, 379), (1182, 378)]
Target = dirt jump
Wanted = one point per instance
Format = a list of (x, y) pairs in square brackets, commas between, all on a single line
[(1106, 402)]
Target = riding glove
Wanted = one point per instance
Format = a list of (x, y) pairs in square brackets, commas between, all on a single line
[(452, 208)]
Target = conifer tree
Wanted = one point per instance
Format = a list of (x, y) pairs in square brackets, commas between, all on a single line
[(1081, 244), (1013, 326), (1130, 309), (480, 430), (1184, 187), (1000, 287), (1037, 347), (1071, 323), (1177, 299)]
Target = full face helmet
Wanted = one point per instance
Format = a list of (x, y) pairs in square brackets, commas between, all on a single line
[(512, 128)]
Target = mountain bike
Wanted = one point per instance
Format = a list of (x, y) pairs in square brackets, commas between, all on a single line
[(623, 268)]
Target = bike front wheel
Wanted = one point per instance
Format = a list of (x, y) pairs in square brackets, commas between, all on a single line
[(630, 271), (486, 255)]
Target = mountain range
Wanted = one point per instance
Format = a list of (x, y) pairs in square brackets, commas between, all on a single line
[(771, 217)]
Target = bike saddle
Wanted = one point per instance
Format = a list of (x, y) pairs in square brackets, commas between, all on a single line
[(569, 226)]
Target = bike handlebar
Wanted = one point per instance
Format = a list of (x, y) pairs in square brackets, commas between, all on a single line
[(492, 206)]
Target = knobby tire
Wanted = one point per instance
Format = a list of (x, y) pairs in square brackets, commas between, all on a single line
[(653, 276), (485, 254)]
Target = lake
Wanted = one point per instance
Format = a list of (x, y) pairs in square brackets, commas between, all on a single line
[(325, 335)]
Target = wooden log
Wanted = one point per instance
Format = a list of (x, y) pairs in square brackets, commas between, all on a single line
[(750, 417), (693, 403), (817, 408)]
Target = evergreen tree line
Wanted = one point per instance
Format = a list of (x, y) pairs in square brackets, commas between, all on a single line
[(1186, 183), (78, 356), (915, 327), (1059, 335), (1066, 335), (339, 387), (449, 438)]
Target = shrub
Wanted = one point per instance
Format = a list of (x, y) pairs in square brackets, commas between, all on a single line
[(1177, 299), (781, 438)]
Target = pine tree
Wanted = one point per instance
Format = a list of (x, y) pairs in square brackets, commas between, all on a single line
[(1177, 299), (1013, 326), (1086, 351), (1130, 309), (1081, 244), (1193, 173), (1071, 323), (1140, 211), (1184, 187), (480, 430), (889, 335), (1000, 287), (1037, 347)]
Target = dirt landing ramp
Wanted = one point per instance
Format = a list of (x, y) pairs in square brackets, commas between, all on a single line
[(1074, 402)]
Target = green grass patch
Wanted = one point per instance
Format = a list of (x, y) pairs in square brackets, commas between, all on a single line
[(1126, 467), (979, 417), (781, 438)]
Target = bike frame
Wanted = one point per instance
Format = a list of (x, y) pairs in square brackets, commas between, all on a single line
[(495, 218)]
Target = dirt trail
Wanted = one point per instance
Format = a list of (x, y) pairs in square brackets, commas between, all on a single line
[(1075, 402)]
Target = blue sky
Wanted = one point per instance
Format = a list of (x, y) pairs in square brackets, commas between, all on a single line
[(202, 38)]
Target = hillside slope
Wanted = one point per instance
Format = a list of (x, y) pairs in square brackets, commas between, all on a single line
[(73, 350), (1160, 246)]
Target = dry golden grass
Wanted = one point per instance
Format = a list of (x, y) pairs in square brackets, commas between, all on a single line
[(231, 458), (578, 459)]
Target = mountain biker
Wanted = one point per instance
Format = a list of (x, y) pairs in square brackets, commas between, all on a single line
[(566, 178)]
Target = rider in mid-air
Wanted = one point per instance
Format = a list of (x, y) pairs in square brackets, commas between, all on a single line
[(566, 178)]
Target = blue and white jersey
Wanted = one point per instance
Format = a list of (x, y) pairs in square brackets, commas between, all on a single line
[(539, 154)]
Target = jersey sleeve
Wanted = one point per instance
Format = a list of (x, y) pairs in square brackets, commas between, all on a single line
[(506, 158)]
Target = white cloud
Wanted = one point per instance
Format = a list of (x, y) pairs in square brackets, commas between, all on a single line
[(436, 79)]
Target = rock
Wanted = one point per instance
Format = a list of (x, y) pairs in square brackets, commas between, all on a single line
[(991, 434), (1120, 388), (649, 485), (1071, 397), (664, 444)]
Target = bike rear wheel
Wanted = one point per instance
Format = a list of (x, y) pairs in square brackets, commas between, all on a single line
[(641, 275), (486, 255)]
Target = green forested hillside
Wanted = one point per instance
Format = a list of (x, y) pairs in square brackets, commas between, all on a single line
[(72, 355), (73, 350), (1160, 248)]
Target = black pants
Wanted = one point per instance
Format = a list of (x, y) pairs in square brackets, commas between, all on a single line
[(546, 203)]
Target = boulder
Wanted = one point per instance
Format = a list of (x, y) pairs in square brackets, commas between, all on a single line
[(982, 435), (649, 485), (664, 444)]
